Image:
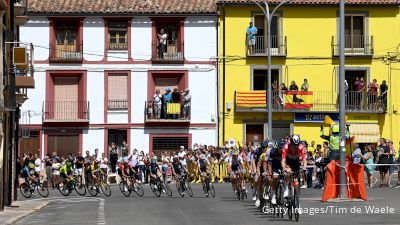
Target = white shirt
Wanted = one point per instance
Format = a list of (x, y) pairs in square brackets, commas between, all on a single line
[(38, 165), (163, 39), (157, 99)]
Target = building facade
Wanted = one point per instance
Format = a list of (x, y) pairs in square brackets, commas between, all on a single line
[(98, 66), (304, 45)]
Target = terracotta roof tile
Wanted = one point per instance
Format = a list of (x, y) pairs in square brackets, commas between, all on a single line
[(122, 6), (352, 2)]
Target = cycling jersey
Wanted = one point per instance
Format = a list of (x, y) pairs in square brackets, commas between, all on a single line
[(262, 158), (202, 164), (276, 158), (293, 154), (126, 170), (153, 167), (178, 168), (66, 170), (235, 163)]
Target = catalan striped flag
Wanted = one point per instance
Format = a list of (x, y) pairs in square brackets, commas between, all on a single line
[(298, 99), (250, 99), (173, 108)]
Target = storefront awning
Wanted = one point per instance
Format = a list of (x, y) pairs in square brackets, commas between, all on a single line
[(365, 133)]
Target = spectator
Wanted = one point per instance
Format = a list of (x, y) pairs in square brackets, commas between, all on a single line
[(293, 86), (165, 164), (310, 162), (38, 165), (162, 38), (311, 147), (187, 100), (104, 165), (141, 167), (149, 110), (113, 156), (251, 37), (48, 162), (368, 159), (356, 154), (383, 155), (383, 94), (282, 90), (372, 93), (167, 98), (56, 170), (124, 151), (176, 98), (305, 85), (157, 100), (79, 165), (360, 88), (391, 159)]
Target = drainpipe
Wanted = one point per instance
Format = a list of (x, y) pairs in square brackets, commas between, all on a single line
[(217, 69), (223, 74)]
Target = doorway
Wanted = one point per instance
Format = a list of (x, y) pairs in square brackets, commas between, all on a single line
[(254, 133)]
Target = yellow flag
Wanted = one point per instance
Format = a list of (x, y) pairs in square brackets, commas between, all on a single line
[(173, 108)]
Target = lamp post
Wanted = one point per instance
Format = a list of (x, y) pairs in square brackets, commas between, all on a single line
[(269, 17)]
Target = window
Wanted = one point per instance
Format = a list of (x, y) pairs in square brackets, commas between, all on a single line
[(67, 44), (118, 35), (261, 24), (169, 144), (170, 48), (260, 76), (63, 144), (117, 92), (354, 31), (66, 34), (117, 137)]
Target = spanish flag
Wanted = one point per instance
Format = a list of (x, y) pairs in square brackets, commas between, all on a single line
[(173, 108), (298, 99), (250, 99)]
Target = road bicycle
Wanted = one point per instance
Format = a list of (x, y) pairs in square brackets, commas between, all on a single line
[(66, 187), (183, 186), (158, 186), (96, 186), (127, 186), (28, 188), (208, 187)]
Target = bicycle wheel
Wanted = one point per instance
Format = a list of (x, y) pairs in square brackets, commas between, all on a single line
[(80, 188), (25, 190), (92, 189), (105, 188), (212, 190), (124, 189), (188, 189), (138, 189), (179, 188), (296, 204), (155, 189), (244, 194), (63, 188), (167, 189), (43, 190)]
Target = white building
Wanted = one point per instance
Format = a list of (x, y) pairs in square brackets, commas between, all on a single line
[(97, 66)]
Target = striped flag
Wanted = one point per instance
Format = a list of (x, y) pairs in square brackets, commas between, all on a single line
[(298, 99), (250, 99)]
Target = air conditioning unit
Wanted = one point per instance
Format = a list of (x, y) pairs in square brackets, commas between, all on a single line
[(20, 56)]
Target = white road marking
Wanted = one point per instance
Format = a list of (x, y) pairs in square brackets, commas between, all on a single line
[(101, 218)]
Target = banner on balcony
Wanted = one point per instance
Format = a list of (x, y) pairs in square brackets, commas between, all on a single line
[(299, 99), (173, 108), (250, 99)]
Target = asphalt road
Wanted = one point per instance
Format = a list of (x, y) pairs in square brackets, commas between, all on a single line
[(200, 210)]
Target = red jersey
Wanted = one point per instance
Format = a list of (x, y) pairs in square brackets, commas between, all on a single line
[(300, 151)]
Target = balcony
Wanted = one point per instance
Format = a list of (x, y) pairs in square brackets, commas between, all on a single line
[(66, 53), (355, 46), (117, 104), (65, 111), (278, 46), (310, 101), (172, 112), (172, 54), (118, 46), (20, 12), (23, 65)]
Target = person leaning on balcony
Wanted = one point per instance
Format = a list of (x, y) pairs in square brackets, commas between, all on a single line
[(187, 100), (176, 98), (282, 90), (251, 37), (293, 86), (360, 88), (162, 37), (305, 85), (157, 101), (383, 94), (167, 98), (372, 92)]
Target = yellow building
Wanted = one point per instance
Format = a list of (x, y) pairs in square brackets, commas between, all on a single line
[(304, 46)]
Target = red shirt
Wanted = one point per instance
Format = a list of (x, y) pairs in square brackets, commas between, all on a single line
[(300, 151), (373, 88), (360, 86)]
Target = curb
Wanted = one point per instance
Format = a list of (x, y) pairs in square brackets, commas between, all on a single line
[(14, 219)]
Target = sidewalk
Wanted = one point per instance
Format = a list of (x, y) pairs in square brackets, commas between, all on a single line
[(20, 209)]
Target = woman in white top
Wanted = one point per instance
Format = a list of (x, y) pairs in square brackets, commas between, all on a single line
[(157, 101), (56, 171), (162, 37), (141, 166)]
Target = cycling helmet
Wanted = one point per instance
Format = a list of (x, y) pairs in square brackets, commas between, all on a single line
[(295, 139), (68, 163), (202, 156)]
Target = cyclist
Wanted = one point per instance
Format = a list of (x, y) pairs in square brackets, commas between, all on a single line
[(293, 153), (252, 170), (125, 171), (202, 165), (67, 170), (261, 167), (236, 169), (276, 167), (178, 170)]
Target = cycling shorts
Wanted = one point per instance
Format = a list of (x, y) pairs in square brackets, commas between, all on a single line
[(293, 163)]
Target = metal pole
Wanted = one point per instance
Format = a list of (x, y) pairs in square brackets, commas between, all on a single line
[(342, 107), (269, 89)]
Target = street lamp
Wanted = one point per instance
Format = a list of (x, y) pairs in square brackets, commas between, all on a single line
[(269, 16)]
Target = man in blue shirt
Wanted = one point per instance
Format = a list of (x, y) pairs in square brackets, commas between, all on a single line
[(167, 99), (251, 37)]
